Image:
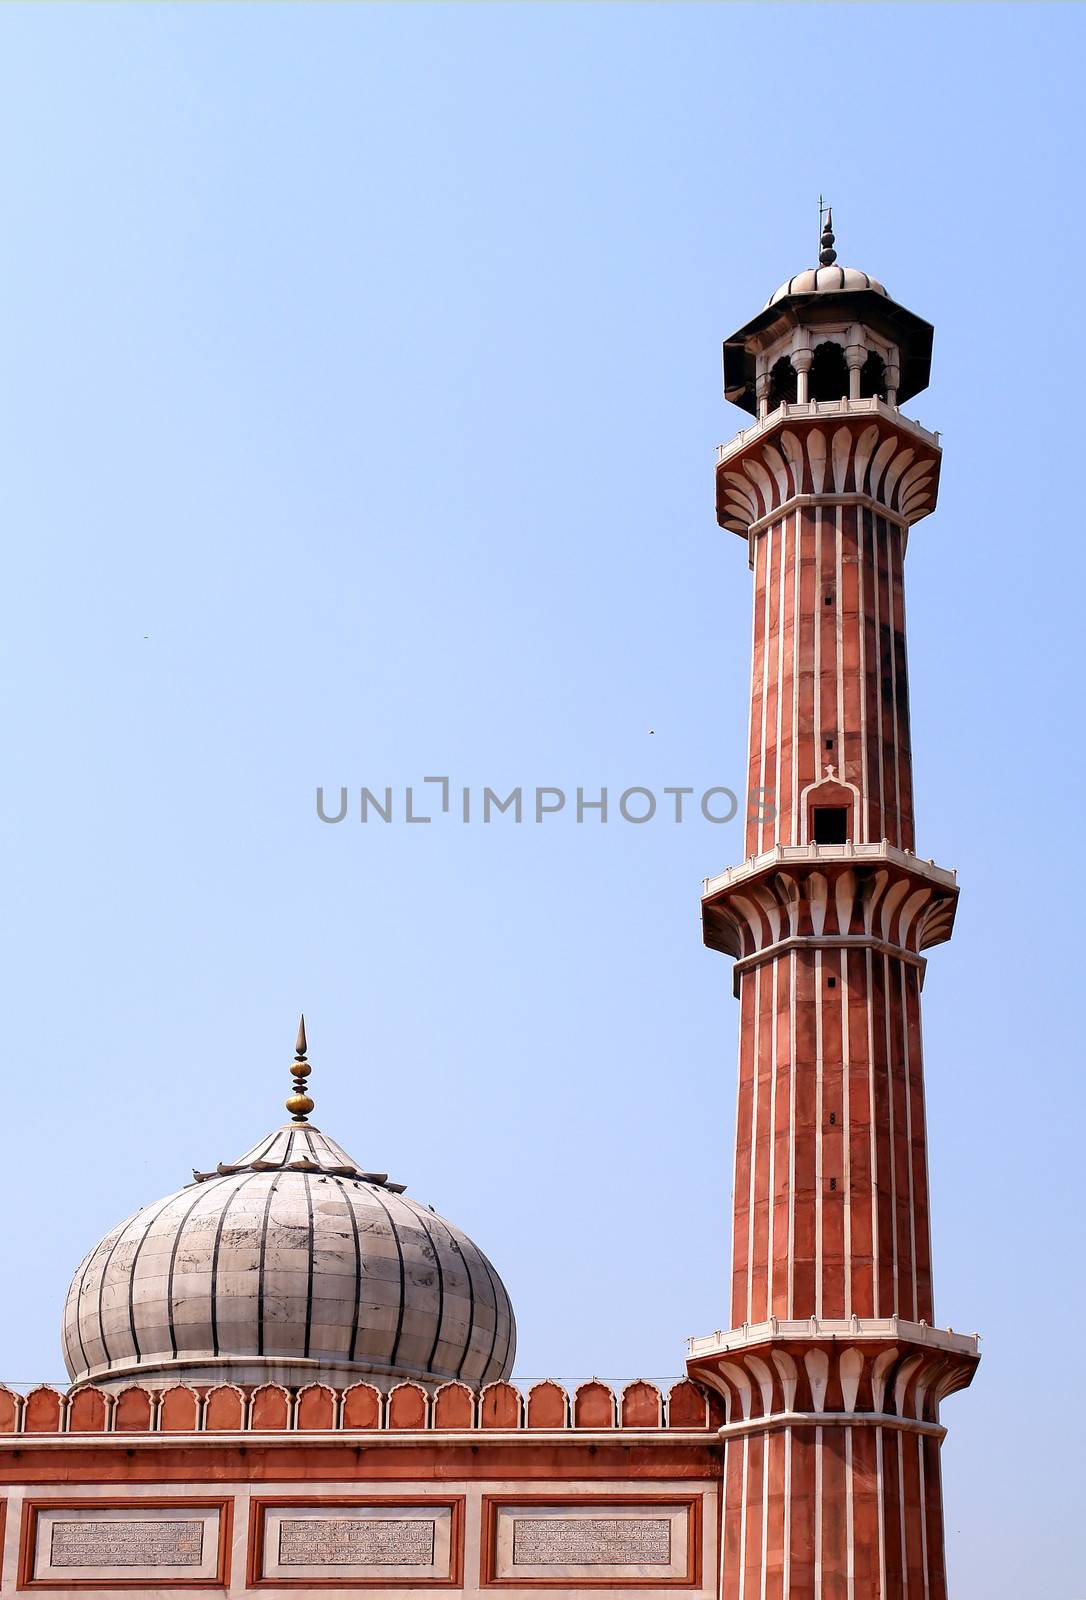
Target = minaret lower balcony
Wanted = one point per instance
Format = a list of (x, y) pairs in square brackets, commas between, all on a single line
[(867, 452), (829, 895)]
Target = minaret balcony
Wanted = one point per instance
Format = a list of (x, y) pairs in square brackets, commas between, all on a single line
[(823, 452), (874, 896)]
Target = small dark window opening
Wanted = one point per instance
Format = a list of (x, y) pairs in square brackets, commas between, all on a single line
[(829, 599), (831, 983), (833, 1119), (782, 383), (829, 373), (829, 744), (831, 824), (833, 1183), (873, 378)]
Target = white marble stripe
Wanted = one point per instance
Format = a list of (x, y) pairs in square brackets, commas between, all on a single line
[(767, 567), (850, 1520), (781, 576), (887, 989), (819, 1117), (873, 1133), (846, 1129), (772, 1143), (901, 1512), (865, 796), (818, 1514), (767, 1443), (883, 830), (816, 709), (909, 1135), (895, 569), (787, 1556), (923, 1518), (745, 1504), (880, 1481), (753, 1139), (797, 562), (791, 1134), (839, 641)]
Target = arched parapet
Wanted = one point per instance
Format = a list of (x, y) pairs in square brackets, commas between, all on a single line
[(88, 1410), (454, 1407), (687, 1405), (547, 1406), (134, 1410), (179, 1409), (363, 1407), (11, 1406), (408, 1406), (641, 1405), (501, 1406), (270, 1408), (594, 1405), (225, 1409), (43, 1410), (315, 1408)]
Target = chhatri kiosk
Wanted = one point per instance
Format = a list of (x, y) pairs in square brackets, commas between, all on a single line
[(290, 1375)]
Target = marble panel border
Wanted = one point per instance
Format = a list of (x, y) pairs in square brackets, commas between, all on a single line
[(220, 1509), (587, 1505), (260, 1506)]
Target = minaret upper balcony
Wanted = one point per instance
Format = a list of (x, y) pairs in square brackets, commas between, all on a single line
[(828, 334), (830, 345)]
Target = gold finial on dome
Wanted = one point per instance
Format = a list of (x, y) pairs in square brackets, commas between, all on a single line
[(298, 1103)]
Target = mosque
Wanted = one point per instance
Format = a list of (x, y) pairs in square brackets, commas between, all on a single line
[(290, 1375)]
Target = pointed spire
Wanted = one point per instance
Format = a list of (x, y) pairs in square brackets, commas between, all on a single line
[(827, 255), (298, 1102)]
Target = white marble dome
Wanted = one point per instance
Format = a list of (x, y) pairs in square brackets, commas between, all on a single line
[(287, 1266), (827, 280)]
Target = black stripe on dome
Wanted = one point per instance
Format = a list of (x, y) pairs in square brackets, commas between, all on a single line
[(309, 1279), (496, 1284), (454, 1241), (494, 1294), (124, 1227), (261, 1271), (78, 1297), (440, 1292), (357, 1267), (132, 1276), (215, 1260), (204, 1191), (841, 270), (403, 1277)]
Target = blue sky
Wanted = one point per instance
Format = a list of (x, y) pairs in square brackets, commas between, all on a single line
[(359, 375)]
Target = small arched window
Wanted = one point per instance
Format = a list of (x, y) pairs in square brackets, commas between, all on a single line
[(873, 378), (829, 373), (782, 383)]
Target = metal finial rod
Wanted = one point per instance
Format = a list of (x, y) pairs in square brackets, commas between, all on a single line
[(827, 255), (298, 1102)]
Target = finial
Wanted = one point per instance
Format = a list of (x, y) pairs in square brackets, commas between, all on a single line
[(827, 255), (298, 1102)]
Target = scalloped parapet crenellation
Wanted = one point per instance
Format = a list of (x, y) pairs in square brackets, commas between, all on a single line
[(591, 1407)]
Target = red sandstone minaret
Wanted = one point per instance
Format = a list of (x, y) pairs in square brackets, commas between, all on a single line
[(832, 1371)]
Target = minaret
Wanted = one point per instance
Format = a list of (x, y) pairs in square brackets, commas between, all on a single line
[(832, 1371)]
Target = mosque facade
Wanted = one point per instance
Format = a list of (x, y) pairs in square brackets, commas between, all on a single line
[(290, 1375)]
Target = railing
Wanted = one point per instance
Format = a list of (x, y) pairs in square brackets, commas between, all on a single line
[(822, 408), (795, 853)]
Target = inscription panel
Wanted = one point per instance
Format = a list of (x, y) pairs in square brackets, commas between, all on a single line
[(357, 1542), (127, 1545), (591, 1541), (363, 1545), (622, 1543)]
